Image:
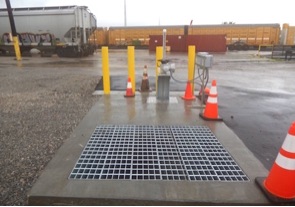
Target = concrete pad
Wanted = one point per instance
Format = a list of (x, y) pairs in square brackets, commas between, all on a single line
[(54, 188), (119, 83)]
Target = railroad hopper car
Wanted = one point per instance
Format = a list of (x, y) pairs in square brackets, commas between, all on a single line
[(63, 30)]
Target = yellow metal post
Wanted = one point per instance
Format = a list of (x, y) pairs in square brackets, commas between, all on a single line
[(159, 56), (131, 66), (16, 48), (105, 70), (191, 65), (259, 48)]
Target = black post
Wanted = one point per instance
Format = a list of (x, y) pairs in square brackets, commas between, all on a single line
[(11, 20), (13, 31), (185, 30)]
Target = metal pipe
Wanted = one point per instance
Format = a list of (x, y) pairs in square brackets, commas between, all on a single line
[(125, 14), (203, 90), (164, 43)]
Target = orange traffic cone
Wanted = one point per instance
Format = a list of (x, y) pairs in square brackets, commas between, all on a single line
[(188, 95), (129, 91), (211, 109), (279, 186)]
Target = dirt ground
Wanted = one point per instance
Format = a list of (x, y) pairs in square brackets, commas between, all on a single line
[(42, 100), (39, 108)]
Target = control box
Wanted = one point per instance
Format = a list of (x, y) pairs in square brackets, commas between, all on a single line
[(166, 66), (204, 60)]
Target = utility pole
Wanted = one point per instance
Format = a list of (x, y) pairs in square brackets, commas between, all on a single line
[(13, 30), (125, 14)]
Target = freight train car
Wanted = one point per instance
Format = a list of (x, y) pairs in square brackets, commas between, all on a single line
[(69, 28), (99, 37), (180, 43), (249, 34), (118, 36), (288, 35)]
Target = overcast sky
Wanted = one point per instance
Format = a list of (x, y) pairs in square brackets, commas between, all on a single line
[(177, 12)]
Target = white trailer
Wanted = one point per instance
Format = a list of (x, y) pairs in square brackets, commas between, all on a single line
[(65, 28)]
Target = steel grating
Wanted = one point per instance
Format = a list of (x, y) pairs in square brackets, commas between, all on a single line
[(131, 152)]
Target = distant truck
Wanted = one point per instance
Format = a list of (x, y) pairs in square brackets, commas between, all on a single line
[(63, 30)]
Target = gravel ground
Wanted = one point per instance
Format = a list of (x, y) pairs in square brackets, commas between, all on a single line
[(39, 109)]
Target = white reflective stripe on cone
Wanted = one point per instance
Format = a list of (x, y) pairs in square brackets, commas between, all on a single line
[(129, 85), (212, 100), (289, 144), (213, 90), (286, 163)]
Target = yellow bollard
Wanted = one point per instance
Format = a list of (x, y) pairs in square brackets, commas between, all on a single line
[(258, 52), (191, 65), (159, 56), (105, 70), (131, 66), (16, 48)]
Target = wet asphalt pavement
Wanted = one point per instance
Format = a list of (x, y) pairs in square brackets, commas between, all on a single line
[(257, 102), (256, 96)]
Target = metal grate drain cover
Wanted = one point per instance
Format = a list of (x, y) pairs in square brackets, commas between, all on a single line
[(132, 152)]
